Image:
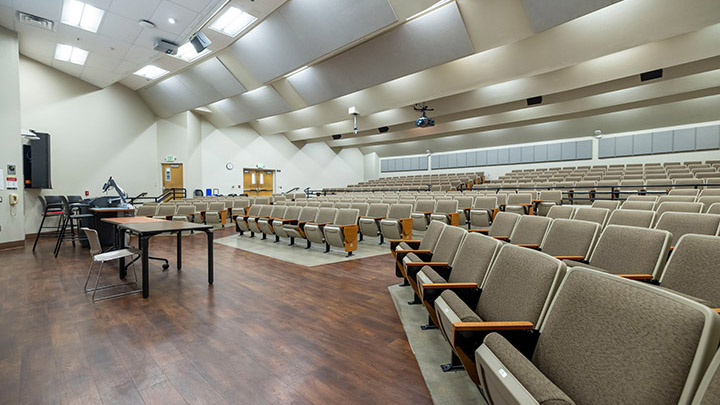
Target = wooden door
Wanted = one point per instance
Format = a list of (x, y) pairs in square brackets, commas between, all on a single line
[(258, 182), (172, 175)]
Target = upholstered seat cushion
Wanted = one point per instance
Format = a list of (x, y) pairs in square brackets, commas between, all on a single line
[(459, 307), (432, 275), (539, 386)]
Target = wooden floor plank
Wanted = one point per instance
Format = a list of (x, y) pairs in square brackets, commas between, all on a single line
[(267, 332)]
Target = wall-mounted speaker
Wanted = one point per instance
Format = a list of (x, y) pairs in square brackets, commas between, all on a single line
[(653, 74), (382, 130), (534, 100), (336, 137), (36, 162)]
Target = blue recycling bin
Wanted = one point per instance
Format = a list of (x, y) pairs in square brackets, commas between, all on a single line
[(208, 192)]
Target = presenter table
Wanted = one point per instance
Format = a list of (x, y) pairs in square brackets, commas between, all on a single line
[(146, 228)]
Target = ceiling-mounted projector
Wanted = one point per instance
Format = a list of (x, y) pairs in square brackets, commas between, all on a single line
[(165, 46), (200, 41), (423, 121)]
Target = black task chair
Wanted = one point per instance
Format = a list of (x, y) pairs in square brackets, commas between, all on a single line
[(52, 207), (74, 218)]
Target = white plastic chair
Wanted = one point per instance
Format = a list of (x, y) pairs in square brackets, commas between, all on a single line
[(98, 256)]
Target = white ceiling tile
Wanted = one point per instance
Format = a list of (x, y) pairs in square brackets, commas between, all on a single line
[(125, 68), (198, 5), (101, 4), (49, 9), (99, 77), (147, 37), (184, 18), (67, 67), (111, 47), (135, 9), (98, 61), (28, 31), (140, 55), (120, 28), (75, 36), (134, 82)]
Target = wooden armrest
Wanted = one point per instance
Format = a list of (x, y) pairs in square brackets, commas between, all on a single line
[(482, 231), (578, 258), (484, 326), (501, 237), (636, 276), (413, 251), (431, 264), (375, 218), (303, 222), (428, 212), (716, 310), (528, 245), (434, 286), (405, 240), (285, 221), (323, 223)]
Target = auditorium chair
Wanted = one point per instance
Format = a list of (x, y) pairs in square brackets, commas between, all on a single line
[(714, 209), (165, 211), (265, 224), (438, 258), (200, 208), (529, 231), (547, 200), (401, 247), (314, 230), (502, 226), (446, 211), (184, 213), (252, 222), (681, 223), (295, 229), (421, 214), (570, 239), (561, 212), (362, 207), (684, 192), (608, 204), (639, 218), (674, 198), (599, 215), (709, 192), (483, 212), (520, 203), (707, 201), (631, 252), (276, 225), (398, 224), (708, 392), (146, 210), (241, 220), (343, 232), (465, 204), (370, 222), (589, 349), (216, 213), (513, 301), (638, 205), (466, 273), (239, 207), (675, 206)]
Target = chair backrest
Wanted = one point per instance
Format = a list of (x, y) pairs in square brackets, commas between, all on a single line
[(694, 268), (598, 215), (631, 250), (145, 210), (569, 237), (676, 206), (652, 198), (684, 191), (464, 201), (446, 206), (262, 200), (639, 218), (591, 334), (560, 212), (431, 235), (347, 216), (278, 211), (708, 200), (487, 203), (448, 244), (674, 198), (216, 206), (530, 230), (253, 211), (611, 205), (166, 209), (315, 204), (326, 215), (399, 211), (185, 210), (714, 209), (708, 392), (503, 224), (362, 207), (519, 286), (680, 223), (638, 205), (329, 204), (377, 210), (200, 206), (551, 195), (473, 258), (292, 212), (520, 198), (308, 214), (265, 210), (424, 206), (93, 240)]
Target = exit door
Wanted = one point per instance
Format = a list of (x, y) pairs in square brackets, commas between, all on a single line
[(172, 175), (258, 182)]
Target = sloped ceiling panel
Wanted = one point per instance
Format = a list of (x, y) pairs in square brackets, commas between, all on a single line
[(545, 14), (303, 30), (433, 39), (205, 83), (258, 103)]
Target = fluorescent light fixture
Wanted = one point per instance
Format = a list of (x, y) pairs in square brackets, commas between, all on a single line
[(188, 54), (67, 53), (171, 20), (429, 9), (296, 71), (151, 72), (81, 15), (232, 22)]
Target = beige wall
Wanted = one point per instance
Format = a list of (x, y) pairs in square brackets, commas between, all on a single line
[(11, 218)]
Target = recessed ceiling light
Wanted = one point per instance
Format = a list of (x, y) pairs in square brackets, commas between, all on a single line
[(171, 20), (81, 15), (232, 22), (188, 54), (67, 53), (151, 72)]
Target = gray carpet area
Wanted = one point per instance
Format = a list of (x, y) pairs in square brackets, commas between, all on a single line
[(431, 350)]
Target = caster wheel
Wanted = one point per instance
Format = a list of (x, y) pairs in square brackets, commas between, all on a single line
[(166, 266)]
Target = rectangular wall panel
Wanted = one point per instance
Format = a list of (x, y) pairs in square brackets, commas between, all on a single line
[(452, 160), (443, 162), (662, 142), (423, 163), (606, 148), (540, 153), (461, 159), (684, 140), (492, 157), (482, 158), (514, 155), (584, 149), (384, 165), (642, 144), (707, 138), (569, 150), (503, 156), (554, 152), (470, 158), (624, 145)]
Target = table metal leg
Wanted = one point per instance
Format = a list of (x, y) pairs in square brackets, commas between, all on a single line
[(179, 250), (211, 276), (120, 244), (145, 273)]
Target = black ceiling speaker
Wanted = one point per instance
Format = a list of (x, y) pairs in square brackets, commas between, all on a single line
[(382, 130), (336, 137), (534, 100), (653, 74)]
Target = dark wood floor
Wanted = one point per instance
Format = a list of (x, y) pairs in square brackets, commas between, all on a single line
[(268, 331)]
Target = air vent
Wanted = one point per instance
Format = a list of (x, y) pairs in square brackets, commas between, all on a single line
[(653, 74), (35, 21), (534, 100)]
